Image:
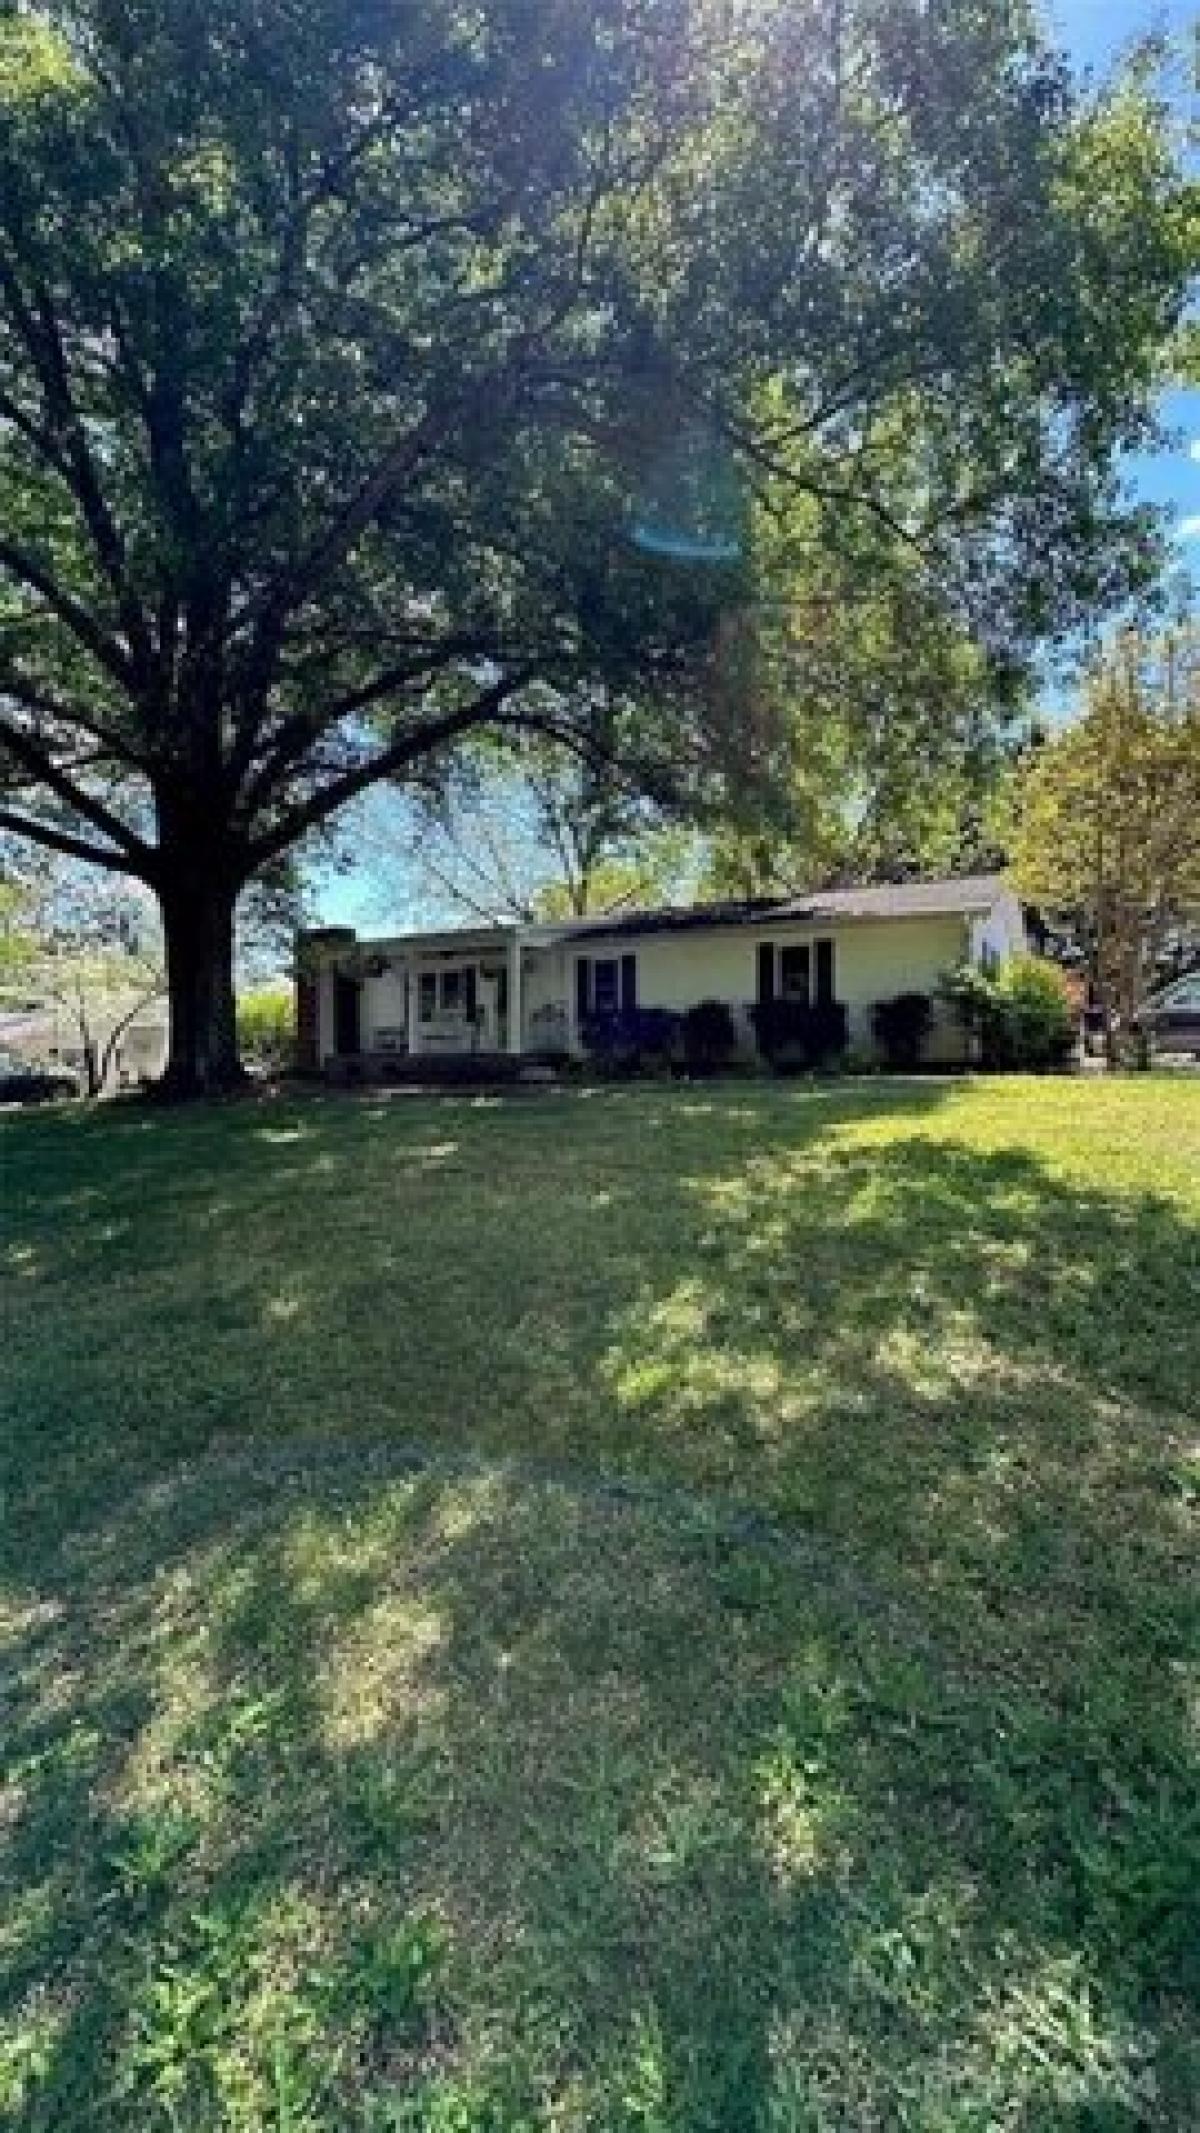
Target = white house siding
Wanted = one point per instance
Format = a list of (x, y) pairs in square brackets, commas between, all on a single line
[(873, 960), (998, 933)]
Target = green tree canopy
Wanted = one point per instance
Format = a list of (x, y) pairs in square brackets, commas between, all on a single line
[(374, 376)]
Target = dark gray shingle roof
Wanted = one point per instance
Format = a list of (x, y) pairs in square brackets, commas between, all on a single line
[(902, 899)]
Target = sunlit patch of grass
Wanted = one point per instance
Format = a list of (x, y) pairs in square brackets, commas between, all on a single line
[(653, 1609)]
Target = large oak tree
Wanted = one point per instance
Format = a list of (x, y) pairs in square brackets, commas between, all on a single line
[(345, 347)]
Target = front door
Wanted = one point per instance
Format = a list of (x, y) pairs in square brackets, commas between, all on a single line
[(347, 1016)]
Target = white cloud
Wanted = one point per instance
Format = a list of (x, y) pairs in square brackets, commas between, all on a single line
[(1194, 448), (1188, 529)]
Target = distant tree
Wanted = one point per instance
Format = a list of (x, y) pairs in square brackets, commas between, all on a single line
[(526, 828), (374, 377), (1105, 830), (267, 1027)]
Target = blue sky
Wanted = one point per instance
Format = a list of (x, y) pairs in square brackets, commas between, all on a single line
[(1094, 33)]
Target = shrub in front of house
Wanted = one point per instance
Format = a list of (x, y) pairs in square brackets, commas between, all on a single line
[(1020, 1015), (1037, 1024), (632, 1040), (901, 1026), (799, 1036), (709, 1037)]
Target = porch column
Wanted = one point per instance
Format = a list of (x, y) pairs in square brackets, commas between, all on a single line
[(514, 994)]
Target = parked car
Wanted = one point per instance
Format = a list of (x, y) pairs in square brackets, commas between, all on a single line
[(1171, 1018), (24, 1082)]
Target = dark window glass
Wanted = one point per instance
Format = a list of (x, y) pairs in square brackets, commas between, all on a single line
[(428, 995), (604, 985), (628, 984), (451, 991), (826, 983), (794, 973), (583, 989)]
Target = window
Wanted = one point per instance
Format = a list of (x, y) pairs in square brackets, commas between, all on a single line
[(452, 990), (605, 978), (428, 995), (604, 985), (826, 981), (794, 973)]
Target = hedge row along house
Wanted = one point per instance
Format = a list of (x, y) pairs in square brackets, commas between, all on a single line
[(424, 1003)]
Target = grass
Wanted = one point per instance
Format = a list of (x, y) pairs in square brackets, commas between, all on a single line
[(657, 1610)]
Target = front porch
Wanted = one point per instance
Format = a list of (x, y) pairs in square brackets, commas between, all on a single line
[(456, 1005)]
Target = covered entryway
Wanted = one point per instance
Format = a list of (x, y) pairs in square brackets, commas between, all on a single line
[(347, 1015)]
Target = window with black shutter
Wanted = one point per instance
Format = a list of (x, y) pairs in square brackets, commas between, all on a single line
[(628, 984), (605, 982), (766, 971), (794, 982), (583, 988), (826, 985)]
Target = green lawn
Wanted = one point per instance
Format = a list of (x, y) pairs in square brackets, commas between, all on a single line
[(663, 1610)]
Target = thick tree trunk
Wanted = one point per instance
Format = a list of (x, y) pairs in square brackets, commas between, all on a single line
[(202, 1057)]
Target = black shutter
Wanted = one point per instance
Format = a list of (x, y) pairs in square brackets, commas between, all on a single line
[(825, 984), (628, 984), (469, 988), (583, 988), (766, 972)]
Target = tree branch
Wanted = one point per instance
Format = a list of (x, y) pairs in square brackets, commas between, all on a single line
[(61, 841), (46, 771), (77, 618), (403, 750), (37, 326), (298, 732)]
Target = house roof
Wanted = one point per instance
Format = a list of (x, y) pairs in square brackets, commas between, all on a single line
[(965, 896)]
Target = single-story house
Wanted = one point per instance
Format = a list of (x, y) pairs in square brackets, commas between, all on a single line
[(531, 989)]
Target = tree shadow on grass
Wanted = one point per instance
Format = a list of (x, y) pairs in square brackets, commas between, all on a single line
[(703, 1844), (871, 1803), (436, 1270)]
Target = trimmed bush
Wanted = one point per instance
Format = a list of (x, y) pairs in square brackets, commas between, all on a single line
[(1022, 1015), (709, 1037), (637, 1040), (900, 1027), (798, 1037)]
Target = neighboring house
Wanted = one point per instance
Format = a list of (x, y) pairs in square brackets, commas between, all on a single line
[(44, 1035), (529, 989)]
